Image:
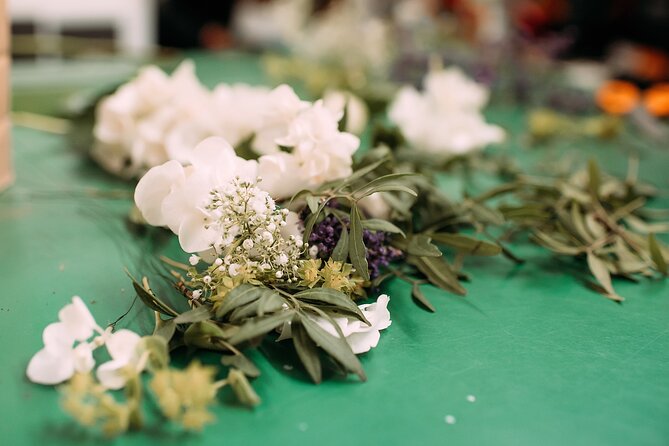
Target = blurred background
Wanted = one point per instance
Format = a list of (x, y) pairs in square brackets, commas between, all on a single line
[(361, 45)]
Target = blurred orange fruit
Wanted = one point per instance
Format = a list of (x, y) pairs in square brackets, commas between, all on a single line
[(618, 97), (656, 100)]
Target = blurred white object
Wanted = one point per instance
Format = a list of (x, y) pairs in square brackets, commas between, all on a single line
[(446, 118), (134, 21)]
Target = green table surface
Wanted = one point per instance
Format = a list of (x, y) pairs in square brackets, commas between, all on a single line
[(549, 361)]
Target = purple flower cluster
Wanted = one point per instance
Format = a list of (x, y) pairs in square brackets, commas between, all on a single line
[(325, 236)]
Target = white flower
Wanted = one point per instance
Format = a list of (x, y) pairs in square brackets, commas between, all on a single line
[(356, 112), (65, 350), (122, 347), (359, 336), (446, 119), (132, 124), (173, 196), (282, 107)]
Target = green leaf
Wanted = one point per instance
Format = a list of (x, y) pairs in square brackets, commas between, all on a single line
[(359, 173), (417, 294), (260, 326), (164, 328), (601, 273), (594, 177), (313, 203), (385, 183), (656, 254), (377, 224), (438, 272), (151, 300), (332, 297), (335, 346), (466, 244), (340, 251), (241, 362), (421, 245), (239, 296), (269, 302), (307, 352), (156, 346), (356, 246), (197, 314), (242, 388), (485, 214), (204, 334), (554, 244)]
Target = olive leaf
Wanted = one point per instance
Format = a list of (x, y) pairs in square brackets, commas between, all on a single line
[(335, 346), (331, 297), (241, 362), (656, 254), (239, 296), (261, 325), (601, 273), (421, 245), (417, 294), (357, 251), (197, 314), (467, 244), (377, 224), (340, 251), (307, 352), (438, 272)]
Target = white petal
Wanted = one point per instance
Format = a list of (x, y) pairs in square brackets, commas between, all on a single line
[(364, 341), (110, 374), (78, 320), (193, 236), (293, 226), (57, 338), (122, 345), (82, 358), (154, 187), (48, 368)]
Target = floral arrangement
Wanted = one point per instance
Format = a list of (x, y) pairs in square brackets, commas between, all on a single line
[(285, 231)]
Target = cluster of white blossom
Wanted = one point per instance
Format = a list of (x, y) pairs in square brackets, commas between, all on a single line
[(157, 118), (253, 234), (212, 200), (69, 345), (445, 119)]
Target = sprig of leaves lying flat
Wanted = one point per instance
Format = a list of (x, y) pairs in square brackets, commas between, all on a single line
[(593, 216), (249, 313)]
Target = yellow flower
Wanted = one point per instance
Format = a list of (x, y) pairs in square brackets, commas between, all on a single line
[(336, 275), (309, 272), (185, 395)]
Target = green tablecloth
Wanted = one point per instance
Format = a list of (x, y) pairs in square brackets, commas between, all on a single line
[(548, 361)]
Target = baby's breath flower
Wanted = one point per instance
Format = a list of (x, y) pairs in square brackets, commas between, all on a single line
[(194, 260), (251, 247)]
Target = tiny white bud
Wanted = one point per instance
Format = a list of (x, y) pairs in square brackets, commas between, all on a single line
[(313, 251), (193, 260), (279, 274), (218, 262), (197, 294), (299, 243), (282, 259), (233, 270), (206, 279), (248, 244)]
